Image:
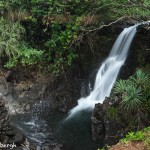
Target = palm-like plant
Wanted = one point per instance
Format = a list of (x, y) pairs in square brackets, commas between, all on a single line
[(140, 78), (132, 98), (120, 86)]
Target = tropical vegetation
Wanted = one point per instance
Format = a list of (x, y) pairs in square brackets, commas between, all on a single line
[(48, 33), (132, 139), (141, 136), (135, 99)]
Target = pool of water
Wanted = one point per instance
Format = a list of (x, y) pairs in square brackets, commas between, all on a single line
[(73, 133)]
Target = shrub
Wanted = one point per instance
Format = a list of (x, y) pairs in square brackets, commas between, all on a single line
[(14, 48), (143, 135), (120, 86), (135, 97), (132, 98)]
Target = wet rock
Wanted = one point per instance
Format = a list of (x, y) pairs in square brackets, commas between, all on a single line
[(62, 94), (27, 107), (97, 127), (9, 75), (15, 135), (57, 148), (8, 134), (52, 146), (111, 131), (103, 127), (143, 28)]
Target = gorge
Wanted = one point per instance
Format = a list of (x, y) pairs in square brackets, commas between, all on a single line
[(105, 79), (43, 127)]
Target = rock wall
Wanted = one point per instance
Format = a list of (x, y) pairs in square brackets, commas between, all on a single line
[(8, 134), (97, 45), (103, 127), (62, 93)]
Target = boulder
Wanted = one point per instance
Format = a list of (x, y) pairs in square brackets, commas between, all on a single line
[(104, 128)]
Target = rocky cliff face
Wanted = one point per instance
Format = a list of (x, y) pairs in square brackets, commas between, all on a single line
[(11, 136), (8, 134), (98, 45), (105, 126), (62, 93)]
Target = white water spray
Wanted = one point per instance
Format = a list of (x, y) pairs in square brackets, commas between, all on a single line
[(108, 72)]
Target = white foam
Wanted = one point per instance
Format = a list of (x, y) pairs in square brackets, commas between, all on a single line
[(108, 72)]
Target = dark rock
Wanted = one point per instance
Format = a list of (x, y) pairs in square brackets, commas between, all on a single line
[(64, 93), (143, 28), (104, 128), (98, 129), (9, 75), (117, 26), (8, 134), (52, 146), (111, 131), (61, 92), (15, 137)]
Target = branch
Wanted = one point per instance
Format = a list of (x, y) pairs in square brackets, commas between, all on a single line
[(95, 29), (79, 39)]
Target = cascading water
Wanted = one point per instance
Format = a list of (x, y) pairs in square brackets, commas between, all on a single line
[(108, 72), (40, 125)]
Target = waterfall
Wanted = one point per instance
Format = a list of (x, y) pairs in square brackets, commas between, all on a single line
[(108, 72)]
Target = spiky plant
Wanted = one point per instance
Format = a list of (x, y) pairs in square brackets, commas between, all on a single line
[(140, 78), (120, 86), (132, 98)]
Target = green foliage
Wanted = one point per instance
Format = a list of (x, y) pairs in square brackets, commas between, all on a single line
[(133, 136), (143, 135), (51, 28), (120, 86), (140, 78), (25, 56), (118, 8), (59, 45), (147, 137), (135, 93), (10, 36), (57, 27), (11, 45), (133, 90), (132, 98), (112, 113)]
